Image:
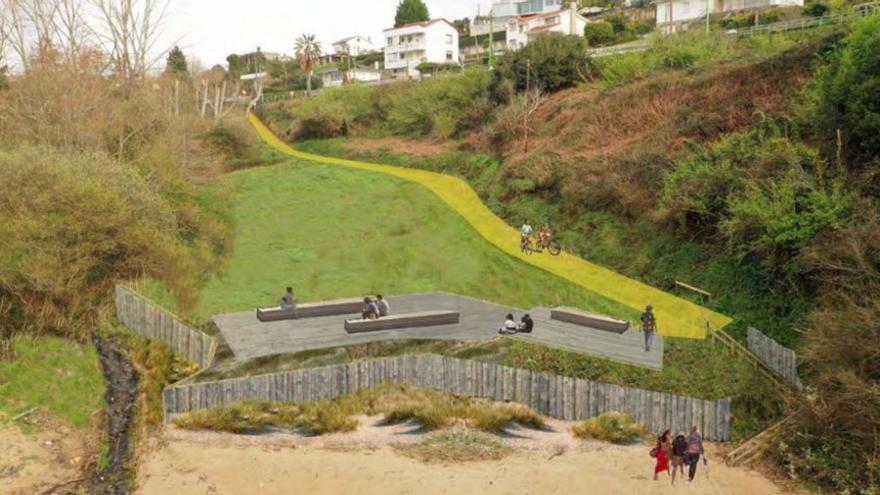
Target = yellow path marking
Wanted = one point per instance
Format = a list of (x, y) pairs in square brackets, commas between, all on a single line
[(676, 317)]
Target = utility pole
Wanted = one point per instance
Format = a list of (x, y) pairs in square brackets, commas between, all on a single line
[(491, 39), (708, 13), (526, 106)]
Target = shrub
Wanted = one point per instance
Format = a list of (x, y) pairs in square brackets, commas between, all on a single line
[(456, 446), (611, 427), (644, 27), (679, 58), (816, 9), (494, 417), (843, 98), (553, 61), (599, 33)]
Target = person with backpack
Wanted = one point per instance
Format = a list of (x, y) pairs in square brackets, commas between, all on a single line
[(661, 454), (693, 452), (679, 446), (649, 326)]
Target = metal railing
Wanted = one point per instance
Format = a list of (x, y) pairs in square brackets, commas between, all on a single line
[(808, 22)]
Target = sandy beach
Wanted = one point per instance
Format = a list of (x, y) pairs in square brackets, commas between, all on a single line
[(366, 462)]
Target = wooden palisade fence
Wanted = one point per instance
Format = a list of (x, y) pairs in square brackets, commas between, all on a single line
[(153, 322), (777, 357), (555, 396)]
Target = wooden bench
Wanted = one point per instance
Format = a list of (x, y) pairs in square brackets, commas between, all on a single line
[(310, 310), (590, 320), (404, 320)]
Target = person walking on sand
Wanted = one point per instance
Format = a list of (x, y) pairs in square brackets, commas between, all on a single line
[(661, 452), (693, 452), (679, 446), (649, 326)]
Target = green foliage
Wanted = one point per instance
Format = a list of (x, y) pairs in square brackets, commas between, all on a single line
[(816, 9), (459, 445), (844, 99), (612, 427), (431, 68), (410, 11), (738, 21), (678, 58), (599, 33), (551, 62), (56, 376), (175, 65), (441, 106)]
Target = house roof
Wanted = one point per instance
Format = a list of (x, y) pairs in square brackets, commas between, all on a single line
[(343, 40), (525, 19), (545, 27), (421, 24)]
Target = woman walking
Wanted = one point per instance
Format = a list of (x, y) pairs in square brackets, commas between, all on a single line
[(662, 454)]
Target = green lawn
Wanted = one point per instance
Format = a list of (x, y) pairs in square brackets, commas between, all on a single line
[(333, 232), (54, 375)]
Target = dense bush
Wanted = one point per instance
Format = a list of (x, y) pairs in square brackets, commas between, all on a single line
[(745, 20), (612, 427), (816, 9), (551, 62), (599, 33), (844, 99)]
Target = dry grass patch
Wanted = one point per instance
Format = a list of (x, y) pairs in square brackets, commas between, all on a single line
[(430, 409), (611, 427), (456, 446)]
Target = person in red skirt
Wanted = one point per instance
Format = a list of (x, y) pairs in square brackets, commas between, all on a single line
[(662, 454)]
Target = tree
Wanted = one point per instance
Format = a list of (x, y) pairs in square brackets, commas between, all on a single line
[(463, 26), (175, 65), (551, 62), (308, 50), (130, 31), (235, 65), (409, 11), (599, 33)]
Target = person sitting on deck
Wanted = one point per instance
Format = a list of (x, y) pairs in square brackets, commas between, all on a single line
[(384, 308), (371, 310), (526, 324), (288, 301), (509, 327)]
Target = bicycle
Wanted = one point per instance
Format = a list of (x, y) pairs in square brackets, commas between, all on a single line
[(551, 246), (525, 245)]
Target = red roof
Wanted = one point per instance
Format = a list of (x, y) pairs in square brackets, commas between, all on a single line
[(422, 24), (527, 18), (543, 28)]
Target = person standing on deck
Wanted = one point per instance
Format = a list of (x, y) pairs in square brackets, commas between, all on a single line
[(649, 326), (288, 302)]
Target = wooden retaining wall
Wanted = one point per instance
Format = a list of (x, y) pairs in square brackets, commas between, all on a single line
[(153, 322), (776, 356), (555, 396)]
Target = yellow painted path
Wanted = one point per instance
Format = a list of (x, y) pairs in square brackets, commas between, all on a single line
[(676, 317)]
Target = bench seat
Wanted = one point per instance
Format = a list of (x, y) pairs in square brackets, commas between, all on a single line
[(310, 310), (403, 320), (590, 320)]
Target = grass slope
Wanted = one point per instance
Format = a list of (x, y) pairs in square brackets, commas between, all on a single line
[(54, 375), (682, 318), (333, 232)]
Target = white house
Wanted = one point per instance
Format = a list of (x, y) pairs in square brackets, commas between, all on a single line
[(521, 30), (332, 77), (408, 46), (354, 46), (675, 15)]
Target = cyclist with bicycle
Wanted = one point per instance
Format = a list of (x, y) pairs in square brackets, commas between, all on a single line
[(545, 235)]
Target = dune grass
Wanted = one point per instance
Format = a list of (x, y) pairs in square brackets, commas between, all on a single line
[(428, 409), (458, 445), (333, 232), (55, 376), (611, 427)]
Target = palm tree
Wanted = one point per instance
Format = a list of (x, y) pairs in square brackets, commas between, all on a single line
[(308, 50)]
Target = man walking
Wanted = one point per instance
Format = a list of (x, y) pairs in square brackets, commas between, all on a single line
[(649, 326), (693, 452)]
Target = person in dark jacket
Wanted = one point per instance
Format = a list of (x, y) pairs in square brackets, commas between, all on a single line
[(526, 324), (649, 326), (679, 446)]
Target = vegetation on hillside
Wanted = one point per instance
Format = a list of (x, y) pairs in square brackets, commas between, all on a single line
[(747, 166)]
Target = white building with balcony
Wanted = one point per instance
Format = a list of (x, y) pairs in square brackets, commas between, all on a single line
[(354, 46), (522, 30), (408, 46)]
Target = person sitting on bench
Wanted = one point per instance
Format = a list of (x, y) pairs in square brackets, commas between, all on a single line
[(509, 327), (371, 310), (384, 308), (288, 301), (526, 324)]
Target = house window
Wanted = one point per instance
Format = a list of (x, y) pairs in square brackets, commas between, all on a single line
[(401, 40), (551, 20), (448, 39), (685, 8), (448, 56), (390, 41)]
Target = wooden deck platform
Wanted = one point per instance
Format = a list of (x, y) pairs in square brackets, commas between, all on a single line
[(249, 338)]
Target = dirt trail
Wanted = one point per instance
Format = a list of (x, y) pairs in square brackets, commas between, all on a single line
[(365, 462)]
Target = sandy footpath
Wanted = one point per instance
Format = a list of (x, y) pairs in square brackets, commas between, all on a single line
[(364, 462)]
